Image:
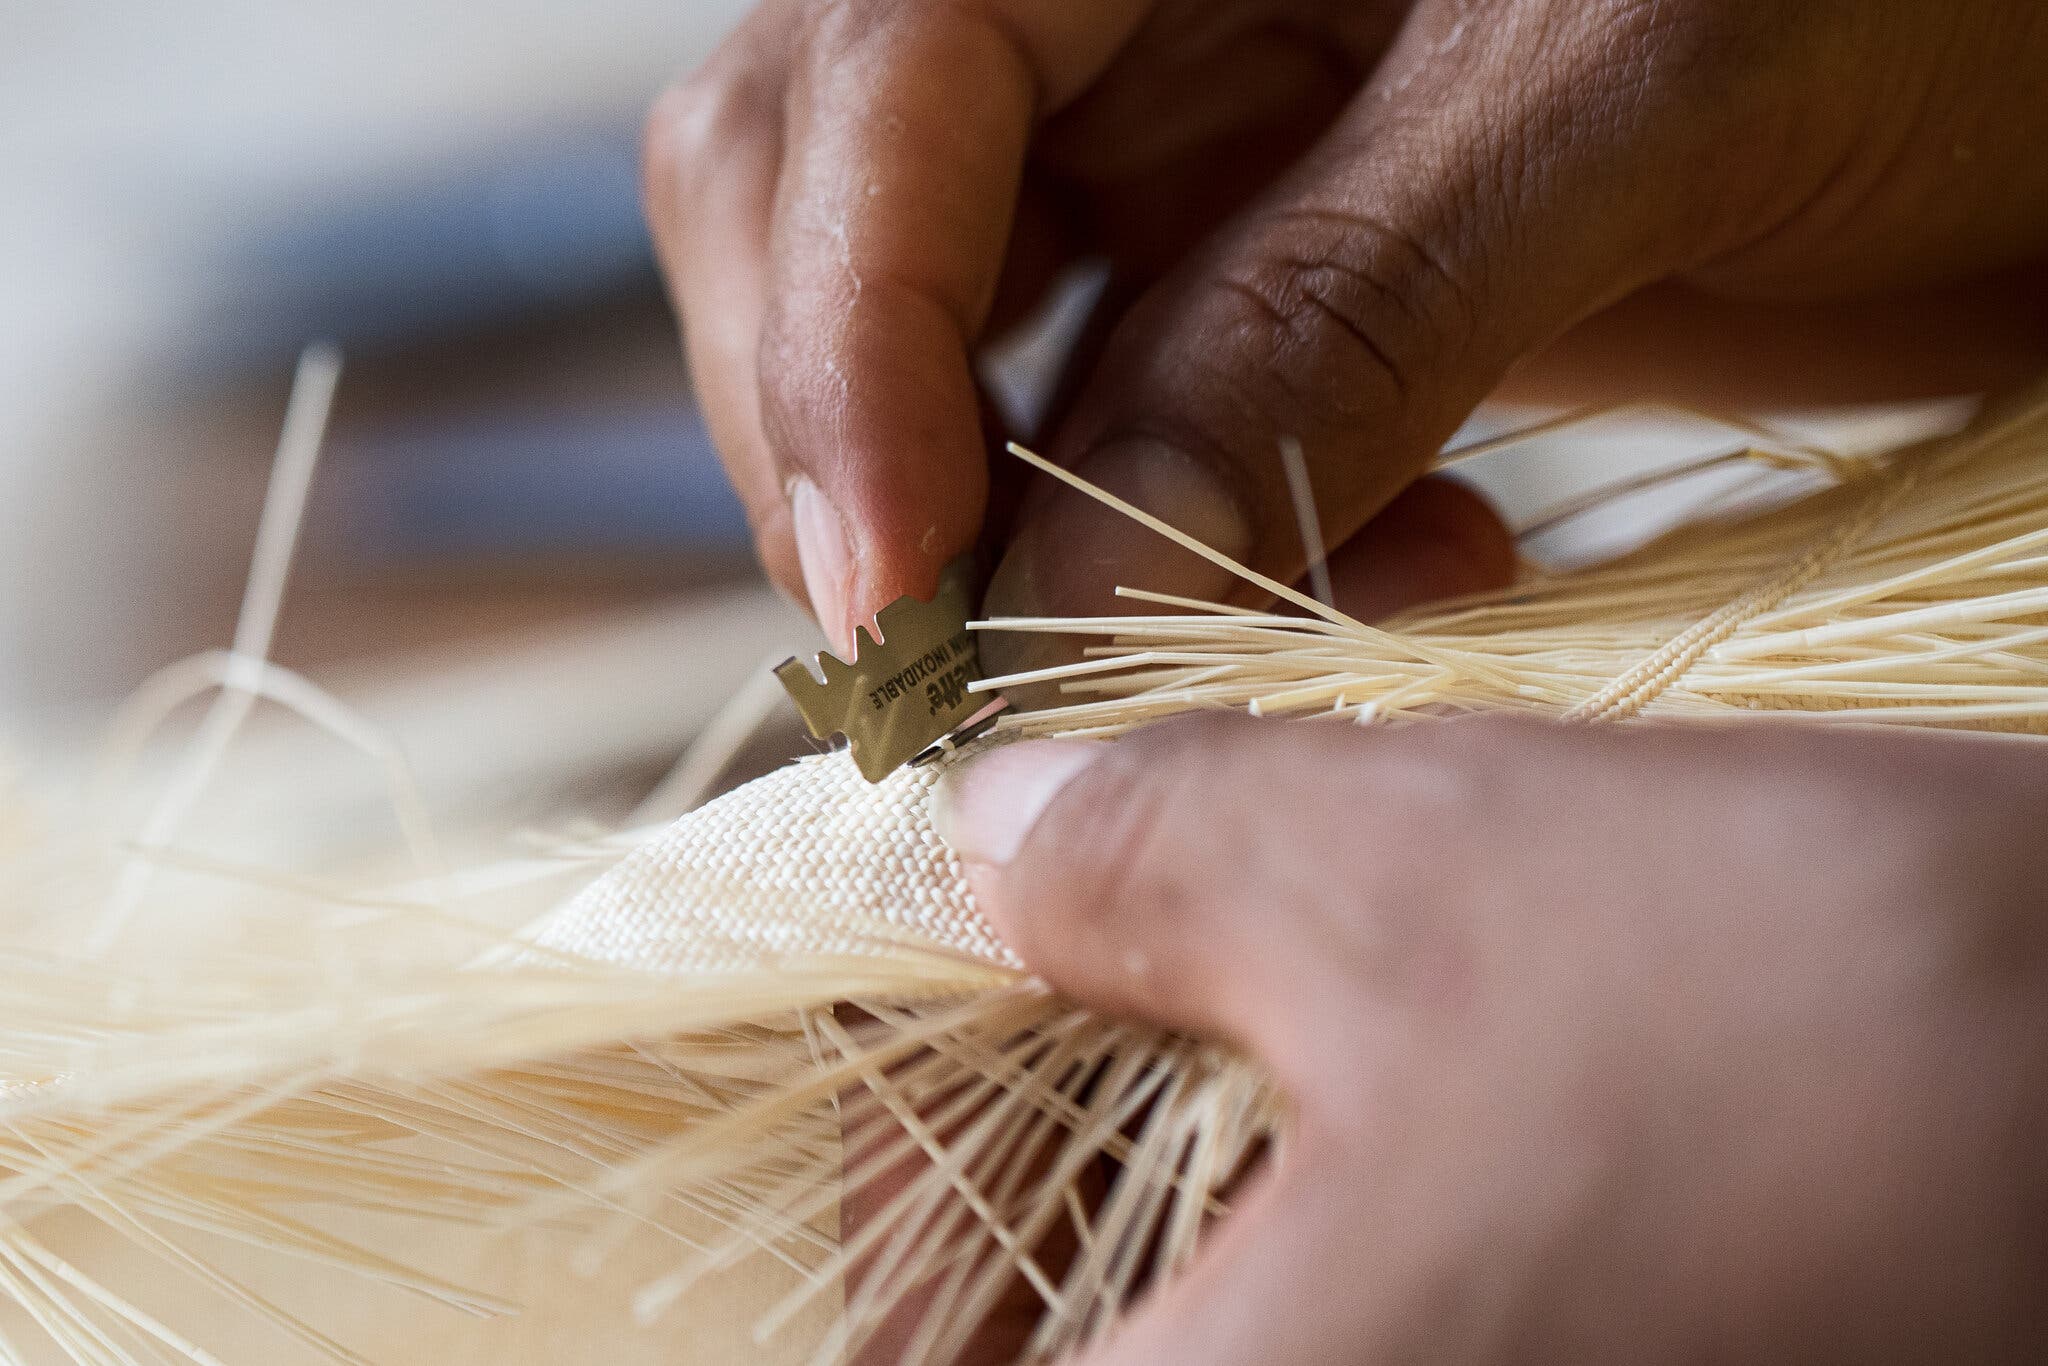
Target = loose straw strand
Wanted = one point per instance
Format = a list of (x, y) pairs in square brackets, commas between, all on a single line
[(277, 534), (1644, 682)]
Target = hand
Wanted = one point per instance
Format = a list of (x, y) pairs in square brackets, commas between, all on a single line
[(1673, 1045), (1337, 221)]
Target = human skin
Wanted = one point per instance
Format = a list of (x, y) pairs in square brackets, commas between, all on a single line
[(1713, 1044), (1341, 222), (1346, 223)]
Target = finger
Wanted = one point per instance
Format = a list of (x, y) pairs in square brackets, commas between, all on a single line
[(1491, 185), (1189, 124), (907, 125), (712, 151), (1264, 1288), (1183, 875), (1006, 1327), (1438, 539), (1002, 1332)]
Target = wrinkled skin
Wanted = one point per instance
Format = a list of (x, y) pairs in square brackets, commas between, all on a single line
[(1696, 1047), (1686, 1046), (1338, 221)]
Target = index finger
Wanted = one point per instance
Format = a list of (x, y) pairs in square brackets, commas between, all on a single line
[(907, 124)]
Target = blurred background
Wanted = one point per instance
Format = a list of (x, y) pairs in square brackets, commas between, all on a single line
[(515, 482), (520, 559)]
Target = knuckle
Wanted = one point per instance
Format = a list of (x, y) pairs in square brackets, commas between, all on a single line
[(678, 128), (690, 120), (1657, 32), (1645, 60), (1611, 92), (832, 27), (1711, 39), (1342, 313)]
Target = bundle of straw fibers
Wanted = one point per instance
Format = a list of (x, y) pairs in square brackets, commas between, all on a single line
[(648, 1104)]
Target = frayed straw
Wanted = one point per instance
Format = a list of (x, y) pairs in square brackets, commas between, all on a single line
[(1915, 592), (400, 1054)]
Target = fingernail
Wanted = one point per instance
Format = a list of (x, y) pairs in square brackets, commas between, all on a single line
[(1072, 553), (985, 807), (827, 562)]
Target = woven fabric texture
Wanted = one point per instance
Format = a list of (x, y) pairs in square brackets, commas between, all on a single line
[(809, 860)]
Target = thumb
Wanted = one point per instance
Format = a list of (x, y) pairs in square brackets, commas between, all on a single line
[(1505, 173), (1264, 1288), (1167, 876), (1223, 876)]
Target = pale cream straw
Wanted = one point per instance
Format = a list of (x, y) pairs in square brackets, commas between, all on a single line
[(1460, 664), (277, 533), (1303, 494), (1772, 440), (685, 786), (220, 1093)]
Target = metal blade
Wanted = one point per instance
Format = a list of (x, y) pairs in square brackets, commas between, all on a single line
[(906, 687)]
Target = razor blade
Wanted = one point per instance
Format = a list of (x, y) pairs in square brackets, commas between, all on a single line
[(905, 692)]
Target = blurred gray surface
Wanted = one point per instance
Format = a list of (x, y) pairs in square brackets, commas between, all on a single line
[(181, 180)]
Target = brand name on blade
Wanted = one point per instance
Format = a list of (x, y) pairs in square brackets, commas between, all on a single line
[(933, 661)]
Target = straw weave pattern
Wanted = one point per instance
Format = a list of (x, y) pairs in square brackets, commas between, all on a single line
[(810, 860)]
